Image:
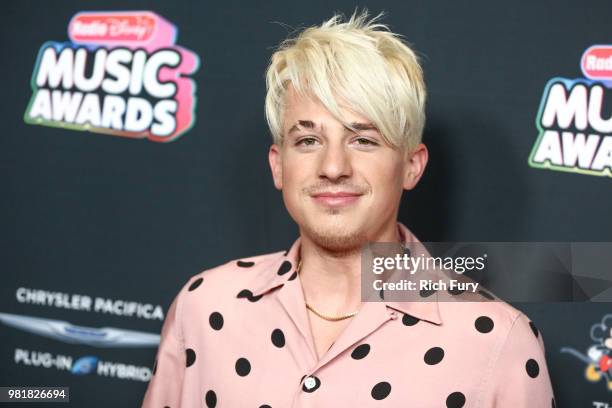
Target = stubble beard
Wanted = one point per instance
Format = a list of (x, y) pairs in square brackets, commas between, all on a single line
[(335, 238)]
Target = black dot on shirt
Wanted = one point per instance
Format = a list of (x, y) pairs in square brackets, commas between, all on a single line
[(190, 357), (381, 390), (243, 367), (455, 400), (455, 291), (245, 293), (245, 264), (216, 320), (284, 268), (293, 275), (278, 338), (426, 293), (409, 320), (532, 367), (194, 285), (381, 294), (484, 324), (534, 329), (265, 406), (211, 399), (360, 351), (486, 294), (434, 355)]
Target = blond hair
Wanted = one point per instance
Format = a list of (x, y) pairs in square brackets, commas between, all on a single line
[(360, 62)]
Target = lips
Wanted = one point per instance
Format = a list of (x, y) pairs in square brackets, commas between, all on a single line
[(336, 199)]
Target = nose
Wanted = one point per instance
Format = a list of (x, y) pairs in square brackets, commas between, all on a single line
[(335, 162)]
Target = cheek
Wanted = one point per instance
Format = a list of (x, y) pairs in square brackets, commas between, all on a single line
[(384, 177), (295, 179)]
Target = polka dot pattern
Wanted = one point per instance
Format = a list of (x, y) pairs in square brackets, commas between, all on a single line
[(360, 351), (195, 284), (190, 356), (216, 320), (243, 367), (247, 294), (211, 399), (381, 390), (284, 268), (455, 400), (268, 338), (425, 293), (433, 356), (484, 324), (408, 320), (278, 338), (532, 367)]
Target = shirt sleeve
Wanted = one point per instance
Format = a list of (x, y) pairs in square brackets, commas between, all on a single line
[(166, 382), (520, 376)]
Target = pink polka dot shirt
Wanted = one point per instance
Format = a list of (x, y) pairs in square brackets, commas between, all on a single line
[(238, 335)]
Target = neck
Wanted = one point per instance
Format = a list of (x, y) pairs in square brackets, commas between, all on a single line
[(331, 280)]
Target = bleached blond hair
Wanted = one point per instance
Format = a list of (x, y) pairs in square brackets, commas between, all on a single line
[(359, 62)]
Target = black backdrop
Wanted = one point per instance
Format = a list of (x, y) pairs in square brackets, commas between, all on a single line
[(118, 218)]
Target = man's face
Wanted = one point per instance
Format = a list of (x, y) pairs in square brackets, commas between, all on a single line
[(341, 187)]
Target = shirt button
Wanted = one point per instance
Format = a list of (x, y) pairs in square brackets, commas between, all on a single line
[(310, 383)]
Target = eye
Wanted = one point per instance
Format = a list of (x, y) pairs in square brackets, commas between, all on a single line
[(364, 141), (306, 141)]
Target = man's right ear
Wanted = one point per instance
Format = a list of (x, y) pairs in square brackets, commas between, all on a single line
[(275, 159)]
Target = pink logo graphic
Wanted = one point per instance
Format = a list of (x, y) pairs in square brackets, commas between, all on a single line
[(596, 62), (121, 74)]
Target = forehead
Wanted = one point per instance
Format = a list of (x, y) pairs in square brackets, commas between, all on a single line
[(308, 109)]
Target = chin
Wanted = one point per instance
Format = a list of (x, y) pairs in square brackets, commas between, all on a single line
[(335, 236)]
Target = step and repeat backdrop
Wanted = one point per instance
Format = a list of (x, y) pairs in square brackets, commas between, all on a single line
[(134, 155)]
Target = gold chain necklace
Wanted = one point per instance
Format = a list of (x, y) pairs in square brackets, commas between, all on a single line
[(331, 318)]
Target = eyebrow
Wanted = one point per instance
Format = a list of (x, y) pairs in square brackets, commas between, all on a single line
[(308, 124)]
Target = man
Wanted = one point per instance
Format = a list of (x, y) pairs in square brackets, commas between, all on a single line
[(345, 105)]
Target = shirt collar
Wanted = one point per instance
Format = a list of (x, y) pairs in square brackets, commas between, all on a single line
[(283, 269)]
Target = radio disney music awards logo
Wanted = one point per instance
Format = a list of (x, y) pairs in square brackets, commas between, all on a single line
[(574, 119), (597, 360), (120, 74)]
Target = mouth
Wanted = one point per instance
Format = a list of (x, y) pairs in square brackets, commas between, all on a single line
[(337, 199)]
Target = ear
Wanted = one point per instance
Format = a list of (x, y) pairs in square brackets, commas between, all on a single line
[(275, 160), (415, 163)]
